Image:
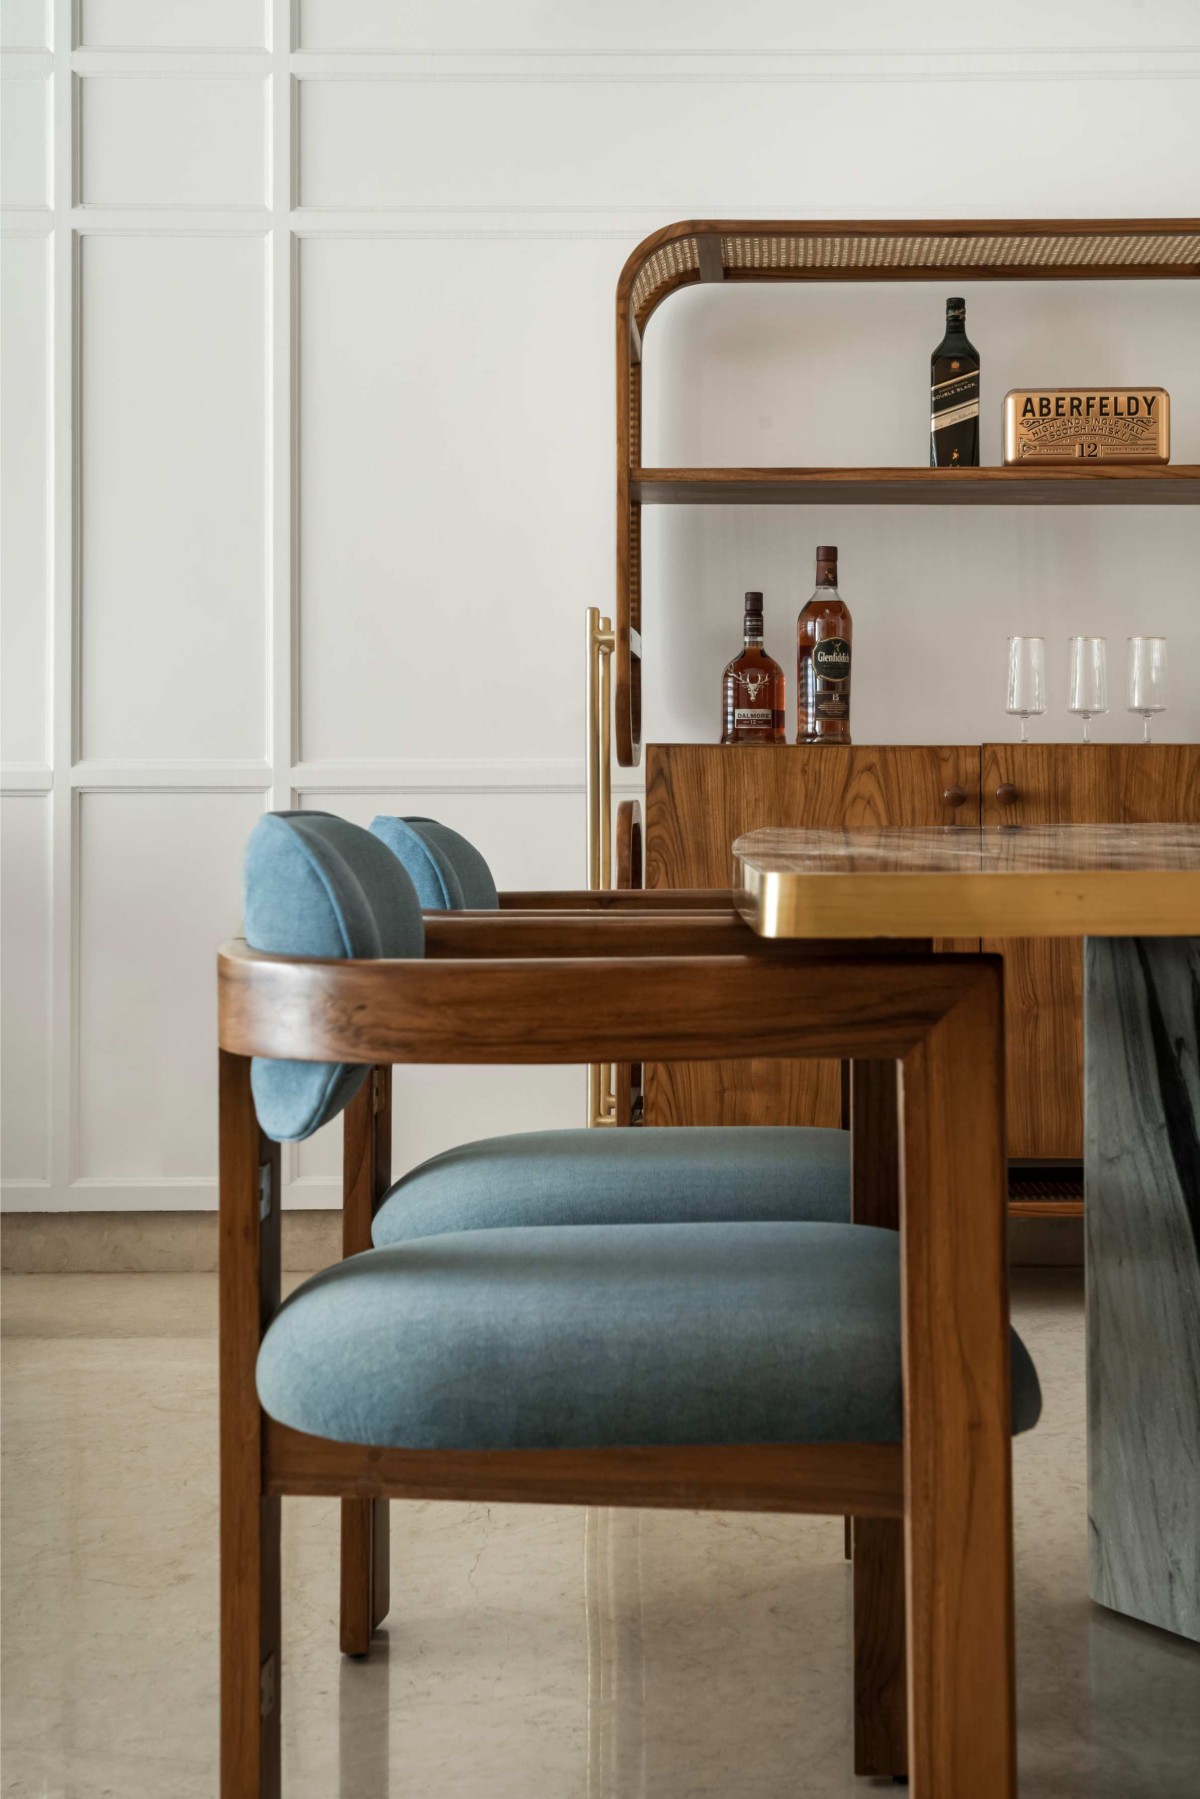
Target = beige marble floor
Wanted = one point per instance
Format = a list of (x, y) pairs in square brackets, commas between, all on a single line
[(531, 1654)]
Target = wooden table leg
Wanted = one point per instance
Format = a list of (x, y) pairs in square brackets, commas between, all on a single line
[(880, 1690), (366, 1177), (957, 1405), (250, 1597), (1142, 1233)]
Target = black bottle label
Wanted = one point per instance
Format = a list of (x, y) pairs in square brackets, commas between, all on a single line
[(954, 401), (831, 659)]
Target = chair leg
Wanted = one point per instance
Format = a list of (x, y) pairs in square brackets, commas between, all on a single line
[(366, 1176), (365, 1572), (958, 1405), (381, 1561), (880, 1693), (880, 1683), (250, 1583)]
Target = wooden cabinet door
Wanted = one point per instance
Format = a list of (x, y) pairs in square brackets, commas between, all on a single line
[(1063, 783), (699, 797)]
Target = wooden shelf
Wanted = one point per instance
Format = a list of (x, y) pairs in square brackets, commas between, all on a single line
[(1045, 1208), (1128, 485), (720, 253)]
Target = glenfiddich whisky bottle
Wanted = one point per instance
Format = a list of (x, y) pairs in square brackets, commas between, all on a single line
[(823, 637), (954, 395), (752, 689)]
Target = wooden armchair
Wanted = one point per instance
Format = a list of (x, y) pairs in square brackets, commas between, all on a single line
[(638, 984), (683, 1176)]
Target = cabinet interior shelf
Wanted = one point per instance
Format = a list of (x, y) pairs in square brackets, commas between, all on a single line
[(722, 253), (1126, 485)]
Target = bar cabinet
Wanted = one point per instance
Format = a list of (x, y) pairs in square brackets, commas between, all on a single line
[(699, 797)]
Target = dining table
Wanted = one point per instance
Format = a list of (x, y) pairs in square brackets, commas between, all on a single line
[(1131, 893)]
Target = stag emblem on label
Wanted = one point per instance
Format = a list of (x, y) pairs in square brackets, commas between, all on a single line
[(753, 683)]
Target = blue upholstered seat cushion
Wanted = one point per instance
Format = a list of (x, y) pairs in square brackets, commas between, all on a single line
[(585, 1336), (447, 871), (316, 885), (693, 1175)]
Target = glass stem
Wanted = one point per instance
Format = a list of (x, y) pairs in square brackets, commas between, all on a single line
[(1024, 729), (1087, 727), (1145, 727)]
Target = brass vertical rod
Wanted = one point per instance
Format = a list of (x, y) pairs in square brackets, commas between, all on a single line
[(601, 640), (592, 747), (604, 783), (608, 1080)]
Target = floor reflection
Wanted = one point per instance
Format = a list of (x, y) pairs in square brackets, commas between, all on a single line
[(614, 1605), (364, 1723), (530, 1653)]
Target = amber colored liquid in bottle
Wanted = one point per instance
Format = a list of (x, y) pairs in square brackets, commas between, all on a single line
[(752, 687), (824, 634)]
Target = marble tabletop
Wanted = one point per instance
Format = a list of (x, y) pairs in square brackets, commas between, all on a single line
[(971, 880)]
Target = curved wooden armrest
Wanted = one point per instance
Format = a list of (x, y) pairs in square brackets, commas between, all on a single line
[(603, 1008), (619, 932), (608, 899)]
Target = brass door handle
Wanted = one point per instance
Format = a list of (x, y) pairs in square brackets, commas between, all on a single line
[(1006, 793), (954, 796)]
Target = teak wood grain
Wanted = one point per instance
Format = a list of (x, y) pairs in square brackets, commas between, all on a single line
[(250, 1573), (1110, 484), (1062, 783), (627, 933), (611, 899), (630, 876), (366, 1177), (941, 1014), (880, 1663), (699, 798), (862, 1478), (958, 1404), (880, 1652), (615, 1009), (727, 251)]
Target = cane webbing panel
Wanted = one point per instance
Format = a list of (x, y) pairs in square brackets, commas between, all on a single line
[(937, 253), (945, 250), (986, 249), (662, 269)]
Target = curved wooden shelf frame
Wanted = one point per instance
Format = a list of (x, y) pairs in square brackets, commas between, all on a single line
[(855, 250)]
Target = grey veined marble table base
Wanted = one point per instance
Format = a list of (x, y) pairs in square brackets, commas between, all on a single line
[(1142, 1227)]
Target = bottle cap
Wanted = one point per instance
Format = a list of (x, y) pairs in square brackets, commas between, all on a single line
[(958, 304), (754, 602), (826, 552)]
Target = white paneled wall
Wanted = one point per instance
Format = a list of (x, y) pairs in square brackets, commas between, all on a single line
[(175, 497), (307, 452)]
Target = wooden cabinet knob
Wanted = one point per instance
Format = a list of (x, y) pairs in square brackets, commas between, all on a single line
[(954, 796), (1006, 793)]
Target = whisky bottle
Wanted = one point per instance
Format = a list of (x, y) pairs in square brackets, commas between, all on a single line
[(752, 689), (823, 637), (954, 395)]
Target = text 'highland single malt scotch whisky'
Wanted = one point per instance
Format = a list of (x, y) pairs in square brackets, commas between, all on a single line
[(823, 637), (954, 395), (752, 688)]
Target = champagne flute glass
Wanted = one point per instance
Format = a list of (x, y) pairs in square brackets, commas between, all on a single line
[(1088, 695), (1026, 680), (1146, 692)]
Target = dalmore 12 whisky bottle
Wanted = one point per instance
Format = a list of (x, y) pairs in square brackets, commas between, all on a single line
[(954, 395), (752, 688), (823, 637)]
